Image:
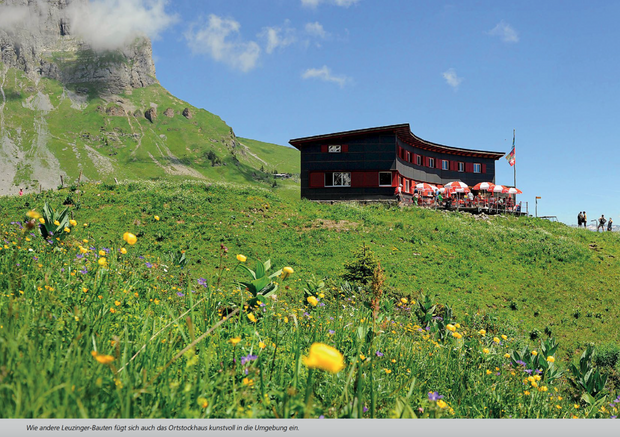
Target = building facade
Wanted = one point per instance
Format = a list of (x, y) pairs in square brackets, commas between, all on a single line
[(369, 164)]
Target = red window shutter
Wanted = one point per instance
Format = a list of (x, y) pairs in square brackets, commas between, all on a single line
[(371, 179), (454, 166), (345, 148), (357, 179), (484, 168), (324, 148), (395, 179), (317, 180), (469, 167), (414, 158), (425, 160)]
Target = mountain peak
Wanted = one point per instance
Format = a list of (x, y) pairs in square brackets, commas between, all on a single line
[(51, 39)]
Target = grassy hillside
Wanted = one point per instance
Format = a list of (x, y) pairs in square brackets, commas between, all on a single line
[(47, 130), (94, 326), (528, 272)]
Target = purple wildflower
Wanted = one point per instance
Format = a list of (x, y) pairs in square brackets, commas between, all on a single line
[(365, 409), (180, 294), (248, 359), (521, 363), (149, 265), (379, 354), (434, 396), (528, 371), (202, 281), (83, 271), (79, 256), (438, 318), (331, 331)]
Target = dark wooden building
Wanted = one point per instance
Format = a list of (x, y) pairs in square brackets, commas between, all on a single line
[(368, 164)]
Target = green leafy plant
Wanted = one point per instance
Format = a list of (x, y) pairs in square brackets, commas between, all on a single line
[(55, 222), (261, 285), (587, 378)]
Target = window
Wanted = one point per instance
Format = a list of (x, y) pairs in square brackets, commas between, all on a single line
[(461, 167), (418, 160), (408, 157), (431, 162), (385, 178), (406, 185), (338, 179), (334, 149), (477, 168), (445, 165)]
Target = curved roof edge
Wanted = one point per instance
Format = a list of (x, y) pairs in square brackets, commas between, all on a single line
[(403, 131)]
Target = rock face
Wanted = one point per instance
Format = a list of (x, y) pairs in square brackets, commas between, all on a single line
[(169, 112), (187, 113), (151, 115), (40, 43)]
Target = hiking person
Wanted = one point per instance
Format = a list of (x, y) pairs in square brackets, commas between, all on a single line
[(579, 219), (21, 192), (601, 223), (610, 224), (585, 220), (399, 193)]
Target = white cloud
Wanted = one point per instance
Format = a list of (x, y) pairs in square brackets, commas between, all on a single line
[(278, 36), (505, 32), (316, 29), (220, 39), (451, 78), (12, 16), (315, 3), (110, 24), (325, 74)]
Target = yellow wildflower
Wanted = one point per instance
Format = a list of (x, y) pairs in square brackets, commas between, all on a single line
[(130, 238), (534, 353), (103, 359), (42, 220), (156, 217), (235, 340), (504, 337), (450, 327), (482, 332), (102, 262), (551, 359), (123, 251), (456, 335), (441, 404), (262, 345), (312, 301), (241, 258), (485, 350), (102, 253), (496, 340), (324, 357), (252, 318), (56, 222), (72, 222)]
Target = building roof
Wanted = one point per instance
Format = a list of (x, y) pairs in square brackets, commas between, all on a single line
[(403, 132)]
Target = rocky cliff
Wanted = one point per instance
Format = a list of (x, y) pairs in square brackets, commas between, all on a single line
[(37, 37)]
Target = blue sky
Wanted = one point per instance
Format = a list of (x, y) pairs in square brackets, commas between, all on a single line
[(464, 74)]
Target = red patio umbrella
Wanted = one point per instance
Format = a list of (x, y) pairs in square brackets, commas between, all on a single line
[(483, 186), (511, 190)]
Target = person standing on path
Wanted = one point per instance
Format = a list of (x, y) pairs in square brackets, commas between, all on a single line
[(21, 191), (601, 223), (610, 224)]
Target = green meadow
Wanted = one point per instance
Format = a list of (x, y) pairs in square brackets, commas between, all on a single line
[(194, 299)]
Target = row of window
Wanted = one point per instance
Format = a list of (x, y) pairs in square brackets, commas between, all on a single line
[(429, 162)]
